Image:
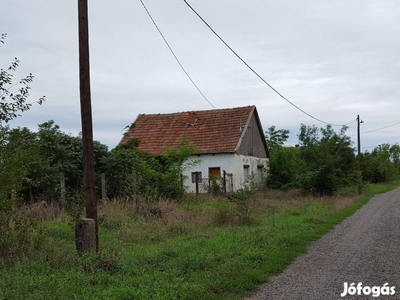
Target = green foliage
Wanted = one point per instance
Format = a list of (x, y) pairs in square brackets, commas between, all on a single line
[(215, 185), (382, 164), (20, 161), (284, 168), (74, 204), (19, 235), (11, 103), (323, 163), (130, 172), (120, 167), (31, 163), (276, 138), (245, 203), (329, 159)]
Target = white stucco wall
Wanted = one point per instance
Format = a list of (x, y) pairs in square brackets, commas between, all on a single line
[(230, 163)]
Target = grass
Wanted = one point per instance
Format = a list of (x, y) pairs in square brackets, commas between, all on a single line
[(201, 248)]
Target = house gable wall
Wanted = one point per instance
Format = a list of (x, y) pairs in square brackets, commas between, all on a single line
[(252, 143)]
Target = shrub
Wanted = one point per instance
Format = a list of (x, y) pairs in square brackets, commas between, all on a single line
[(18, 235)]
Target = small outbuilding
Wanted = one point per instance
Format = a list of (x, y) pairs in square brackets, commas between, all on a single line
[(231, 148)]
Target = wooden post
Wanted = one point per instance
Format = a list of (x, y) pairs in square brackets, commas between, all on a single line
[(359, 155), (85, 235), (13, 195), (224, 182), (86, 117), (358, 144), (103, 186), (62, 185), (197, 182)]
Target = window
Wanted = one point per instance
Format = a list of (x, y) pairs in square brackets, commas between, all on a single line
[(260, 169), (246, 172), (199, 177), (214, 172)]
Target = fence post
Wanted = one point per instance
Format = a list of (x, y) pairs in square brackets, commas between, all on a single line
[(103, 186), (196, 174), (224, 182), (13, 195), (62, 185)]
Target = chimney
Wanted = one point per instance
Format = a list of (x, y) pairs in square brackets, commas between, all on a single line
[(192, 118)]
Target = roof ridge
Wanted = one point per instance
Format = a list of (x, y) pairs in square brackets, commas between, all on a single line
[(190, 111)]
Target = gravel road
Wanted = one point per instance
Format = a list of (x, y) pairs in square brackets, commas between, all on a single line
[(364, 248)]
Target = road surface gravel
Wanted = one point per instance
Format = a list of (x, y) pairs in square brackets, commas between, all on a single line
[(364, 248)]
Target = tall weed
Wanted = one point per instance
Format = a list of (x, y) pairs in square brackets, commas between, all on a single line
[(19, 235)]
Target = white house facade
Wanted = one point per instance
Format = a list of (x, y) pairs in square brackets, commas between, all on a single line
[(235, 172)]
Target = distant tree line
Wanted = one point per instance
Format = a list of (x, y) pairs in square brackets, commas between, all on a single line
[(324, 161)]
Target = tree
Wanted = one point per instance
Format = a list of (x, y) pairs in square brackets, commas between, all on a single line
[(382, 164), (276, 138), (12, 103), (120, 167), (329, 160), (20, 164), (284, 168), (31, 162)]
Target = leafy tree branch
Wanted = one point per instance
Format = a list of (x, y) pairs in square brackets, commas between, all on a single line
[(12, 103)]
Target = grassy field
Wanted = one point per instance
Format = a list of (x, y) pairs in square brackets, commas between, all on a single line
[(200, 248)]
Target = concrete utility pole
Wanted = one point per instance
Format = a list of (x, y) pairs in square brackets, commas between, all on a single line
[(86, 117)]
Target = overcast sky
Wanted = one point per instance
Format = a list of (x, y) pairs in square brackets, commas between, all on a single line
[(333, 59)]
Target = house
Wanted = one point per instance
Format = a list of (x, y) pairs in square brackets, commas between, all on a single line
[(230, 144)]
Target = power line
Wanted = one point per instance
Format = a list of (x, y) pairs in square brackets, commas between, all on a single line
[(380, 128), (176, 58), (258, 75), (373, 130)]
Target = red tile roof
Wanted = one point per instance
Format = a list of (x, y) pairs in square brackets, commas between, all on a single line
[(212, 131)]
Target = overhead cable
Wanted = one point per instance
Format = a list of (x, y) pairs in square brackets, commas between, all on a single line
[(381, 128), (258, 75), (173, 53)]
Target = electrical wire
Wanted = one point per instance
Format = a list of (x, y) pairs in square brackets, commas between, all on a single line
[(258, 75), (380, 128), (373, 130), (173, 53)]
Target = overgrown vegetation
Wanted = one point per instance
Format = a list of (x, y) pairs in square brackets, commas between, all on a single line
[(31, 164), (202, 248), (130, 172), (324, 161)]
